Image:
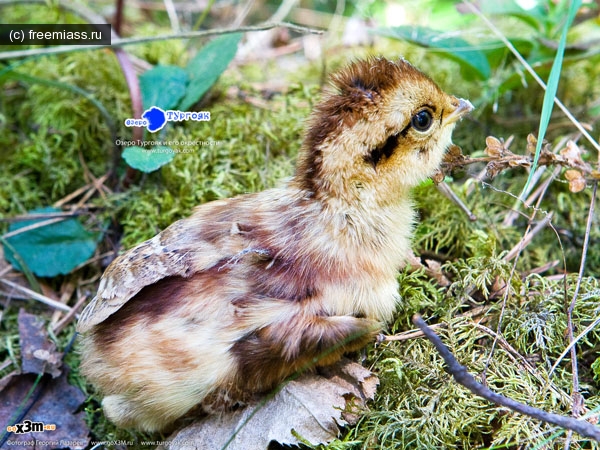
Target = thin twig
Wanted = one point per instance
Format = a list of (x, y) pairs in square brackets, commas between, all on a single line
[(39, 297), (142, 40), (575, 370), (62, 323), (463, 377), (517, 357), (77, 192), (33, 226), (40, 216), (515, 253), (451, 195), (572, 343), (528, 237), (413, 334)]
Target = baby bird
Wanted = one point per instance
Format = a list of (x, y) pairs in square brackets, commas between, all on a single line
[(247, 291)]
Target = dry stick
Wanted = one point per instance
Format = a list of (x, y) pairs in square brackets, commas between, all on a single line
[(133, 41), (33, 226), (40, 298), (528, 237), (525, 241), (512, 215), (39, 216), (413, 334), (451, 195), (584, 251), (73, 195), (463, 377), (519, 248), (517, 357), (577, 398), (589, 328), (62, 323)]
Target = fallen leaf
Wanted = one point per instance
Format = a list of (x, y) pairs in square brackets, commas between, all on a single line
[(6, 379), (53, 249), (54, 413), (434, 270), (360, 383), (308, 409), (38, 353)]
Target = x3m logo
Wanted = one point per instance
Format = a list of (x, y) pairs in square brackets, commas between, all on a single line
[(30, 427)]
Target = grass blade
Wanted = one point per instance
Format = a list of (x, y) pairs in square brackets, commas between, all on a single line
[(551, 89)]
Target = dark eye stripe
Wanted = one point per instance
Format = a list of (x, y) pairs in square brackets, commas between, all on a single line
[(384, 150)]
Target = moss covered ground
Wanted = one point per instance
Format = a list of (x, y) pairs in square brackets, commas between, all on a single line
[(504, 318)]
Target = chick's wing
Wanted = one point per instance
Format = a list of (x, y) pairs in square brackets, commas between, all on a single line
[(186, 247)]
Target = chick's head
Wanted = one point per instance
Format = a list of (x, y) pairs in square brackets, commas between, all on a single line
[(382, 128)]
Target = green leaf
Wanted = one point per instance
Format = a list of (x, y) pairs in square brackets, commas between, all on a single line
[(453, 47), (535, 17), (51, 250), (163, 86), (148, 159), (206, 67)]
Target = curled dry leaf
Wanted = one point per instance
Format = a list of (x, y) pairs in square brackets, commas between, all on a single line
[(454, 154), (531, 144), (453, 158), (308, 409), (438, 177), (38, 353), (495, 147), (494, 168), (576, 180), (519, 162), (572, 154)]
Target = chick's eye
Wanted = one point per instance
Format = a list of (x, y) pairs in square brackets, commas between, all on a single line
[(422, 120)]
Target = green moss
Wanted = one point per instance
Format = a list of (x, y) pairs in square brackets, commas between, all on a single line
[(55, 135), (250, 149)]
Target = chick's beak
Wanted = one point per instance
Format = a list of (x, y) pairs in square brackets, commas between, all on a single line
[(463, 107)]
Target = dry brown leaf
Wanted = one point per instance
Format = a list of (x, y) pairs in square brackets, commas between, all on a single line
[(531, 143), (522, 162), (576, 180), (454, 154), (6, 379), (312, 408), (572, 153), (493, 168), (38, 353), (54, 412), (434, 270), (438, 177), (494, 147)]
